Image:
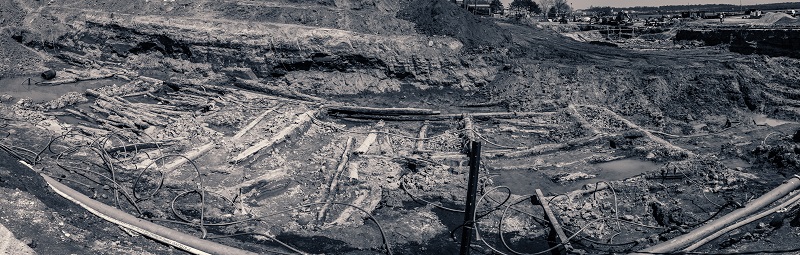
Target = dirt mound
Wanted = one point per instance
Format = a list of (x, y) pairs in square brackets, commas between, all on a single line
[(440, 17), (771, 18), (788, 21)]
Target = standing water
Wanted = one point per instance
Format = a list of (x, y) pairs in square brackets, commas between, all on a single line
[(624, 168), (18, 88)]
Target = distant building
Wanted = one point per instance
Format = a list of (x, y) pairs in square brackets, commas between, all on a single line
[(753, 13)]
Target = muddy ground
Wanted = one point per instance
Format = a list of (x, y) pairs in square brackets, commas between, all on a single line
[(227, 120)]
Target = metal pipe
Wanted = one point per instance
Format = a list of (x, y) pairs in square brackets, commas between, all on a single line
[(713, 227)]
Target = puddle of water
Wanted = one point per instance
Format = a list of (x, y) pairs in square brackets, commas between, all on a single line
[(624, 168), (735, 162), (762, 119), (525, 182), (18, 88)]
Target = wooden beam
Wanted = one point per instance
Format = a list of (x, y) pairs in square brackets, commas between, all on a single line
[(542, 200), (300, 124)]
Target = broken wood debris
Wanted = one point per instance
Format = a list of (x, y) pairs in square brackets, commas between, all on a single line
[(301, 123), (253, 123), (75, 79), (547, 148), (649, 135), (581, 120), (276, 90), (371, 138), (420, 144), (335, 180)]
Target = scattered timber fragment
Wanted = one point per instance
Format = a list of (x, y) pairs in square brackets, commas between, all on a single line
[(368, 199), (533, 167), (512, 129), (524, 123), (99, 109), (121, 121), (300, 125), (352, 171), (136, 146), (253, 123), (170, 167), (90, 131), (385, 143), (335, 179), (199, 92), (160, 99), (420, 144), (581, 120), (136, 119), (485, 104), (380, 111), (273, 175), (257, 86), (102, 96), (76, 79), (461, 155), (93, 117), (74, 59), (371, 137), (649, 135), (548, 148), (80, 115)]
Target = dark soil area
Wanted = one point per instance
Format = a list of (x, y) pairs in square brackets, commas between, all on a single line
[(441, 17), (55, 225)]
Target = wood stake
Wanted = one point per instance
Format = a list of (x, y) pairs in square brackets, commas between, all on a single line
[(469, 133), (420, 144)]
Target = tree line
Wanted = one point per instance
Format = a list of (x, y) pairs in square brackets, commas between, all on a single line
[(555, 8), (698, 7)]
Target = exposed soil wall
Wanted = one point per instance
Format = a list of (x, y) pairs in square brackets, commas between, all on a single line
[(771, 42)]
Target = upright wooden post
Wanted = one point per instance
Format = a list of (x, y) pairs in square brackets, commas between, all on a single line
[(472, 188)]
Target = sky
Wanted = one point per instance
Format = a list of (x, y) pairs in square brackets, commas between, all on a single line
[(583, 4)]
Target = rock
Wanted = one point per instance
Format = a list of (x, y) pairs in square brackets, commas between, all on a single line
[(796, 136), (777, 220)]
